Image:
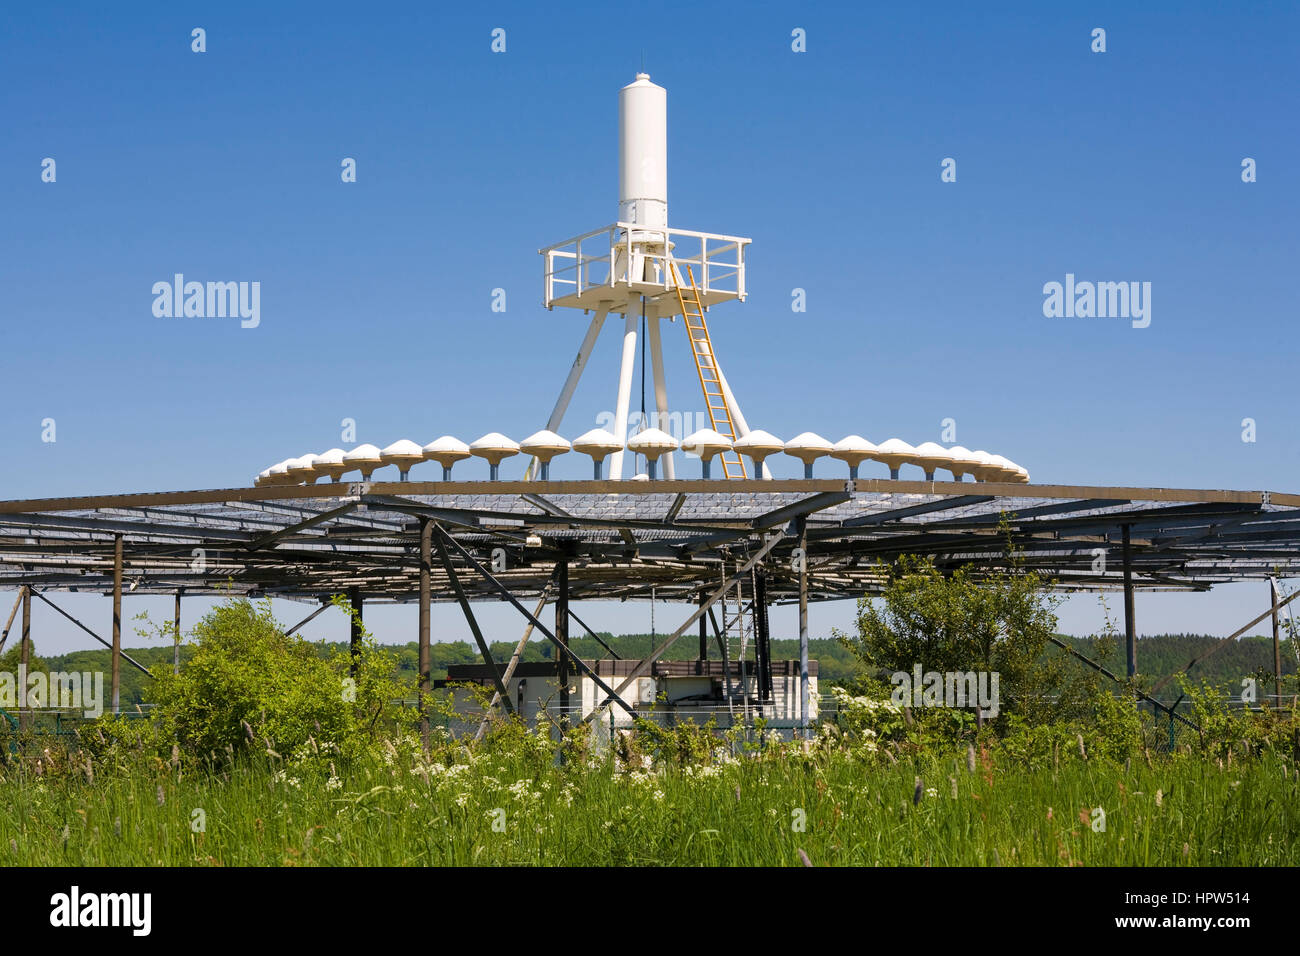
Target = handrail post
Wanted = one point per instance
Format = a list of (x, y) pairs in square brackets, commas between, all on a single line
[(740, 270), (613, 252)]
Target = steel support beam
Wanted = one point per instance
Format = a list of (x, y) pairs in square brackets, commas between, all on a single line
[(722, 653), (1130, 625), (1038, 511), (117, 623), (1115, 677), (704, 631), (562, 635), (426, 572), (514, 661), (307, 620), (324, 516), (803, 626), (505, 592), (1277, 644), (593, 635), (25, 646), (126, 657), (470, 619), (911, 511), (571, 383), (800, 509), (762, 639), (18, 602)]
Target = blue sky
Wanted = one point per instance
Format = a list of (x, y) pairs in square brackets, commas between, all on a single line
[(924, 298)]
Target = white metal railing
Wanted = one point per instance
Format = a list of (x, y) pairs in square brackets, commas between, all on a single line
[(603, 257)]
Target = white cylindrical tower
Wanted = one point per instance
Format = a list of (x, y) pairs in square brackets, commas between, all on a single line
[(643, 153)]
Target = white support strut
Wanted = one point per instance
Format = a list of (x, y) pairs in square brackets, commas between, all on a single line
[(738, 419), (624, 394), (571, 383), (661, 385)]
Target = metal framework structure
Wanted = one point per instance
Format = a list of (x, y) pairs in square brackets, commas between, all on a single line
[(623, 539), (570, 541)]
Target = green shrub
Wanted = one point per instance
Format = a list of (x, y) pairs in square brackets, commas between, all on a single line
[(248, 685)]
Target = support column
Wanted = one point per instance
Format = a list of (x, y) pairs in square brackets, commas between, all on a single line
[(117, 623), (803, 625), (562, 635), (704, 634), (426, 569), (1130, 625), (25, 649), (1277, 644), (445, 541), (354, 636), (661, 383), (624, 394), (762, 639), (176, 650), (571, 383), (13, 612)]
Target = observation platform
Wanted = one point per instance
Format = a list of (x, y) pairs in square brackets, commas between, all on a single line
[(611, 268)]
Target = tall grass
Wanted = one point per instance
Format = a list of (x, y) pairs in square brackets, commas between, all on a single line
[(518, 806)]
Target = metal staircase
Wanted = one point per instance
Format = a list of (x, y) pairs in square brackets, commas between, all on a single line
[(688, 298)]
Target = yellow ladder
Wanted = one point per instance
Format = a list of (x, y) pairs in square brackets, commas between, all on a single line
[(702, 349)]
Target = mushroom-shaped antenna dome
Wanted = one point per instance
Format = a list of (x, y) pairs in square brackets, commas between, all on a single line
[(985, 468), (278, 474), (495, 447), (757, 446), (893, 453), (1008, 470), (301, 469), (853, 449), (706, 443), (544, 445), (363, 458), (330, 464), (808, 447), (446, 451), (963, 461), (1016, 475), (598, 444), (403, 453), (652, 443), (931, 456)]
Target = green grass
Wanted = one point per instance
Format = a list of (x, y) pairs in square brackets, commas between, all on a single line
[(393, 808)]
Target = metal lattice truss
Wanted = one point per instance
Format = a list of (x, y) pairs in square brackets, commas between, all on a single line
[(624, 540)]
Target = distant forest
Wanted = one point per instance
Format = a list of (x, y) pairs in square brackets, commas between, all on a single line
[(1157, 656)]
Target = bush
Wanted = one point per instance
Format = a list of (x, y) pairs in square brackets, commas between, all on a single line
[(1243, 732), (249, 686), (953, 623)]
